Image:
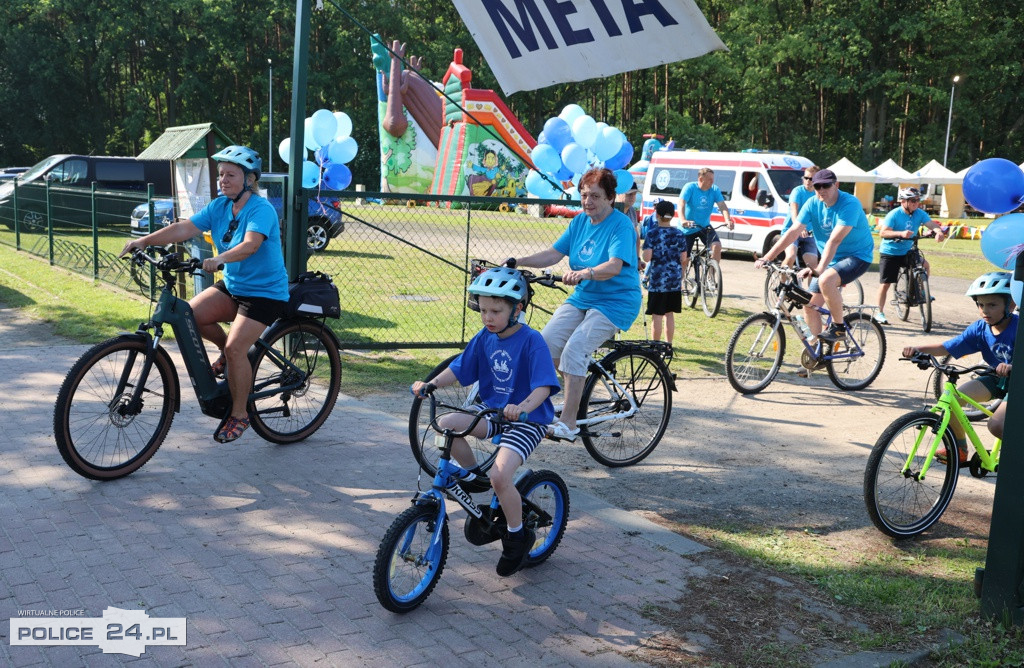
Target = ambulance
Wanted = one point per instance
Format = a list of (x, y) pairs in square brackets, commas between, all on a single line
[(755, 184)]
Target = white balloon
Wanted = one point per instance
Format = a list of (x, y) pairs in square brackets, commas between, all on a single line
[(344, 125), (308, 139), (284, 149), (584, 131)]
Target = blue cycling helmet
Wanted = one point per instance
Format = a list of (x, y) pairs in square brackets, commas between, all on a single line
[(992, 283), (503, 282), (244, 157)]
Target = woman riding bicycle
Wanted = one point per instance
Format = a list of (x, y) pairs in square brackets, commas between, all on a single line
[(254, 290), (601, 244)]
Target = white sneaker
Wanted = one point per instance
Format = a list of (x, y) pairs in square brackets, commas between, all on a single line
[(561, 432), (880, 318)]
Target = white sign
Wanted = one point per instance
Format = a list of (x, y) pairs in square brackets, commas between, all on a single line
[(530, 44), (116, 632)]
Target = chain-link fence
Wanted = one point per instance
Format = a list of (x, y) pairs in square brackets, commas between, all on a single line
[(400, 261)]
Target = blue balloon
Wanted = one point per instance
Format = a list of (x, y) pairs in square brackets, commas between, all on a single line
[(342, 151), (546, 159), (307, 135), (542, 138), (1001, 238), (324, 126), (564, 174), (336, 176), (310, 174), (623, 181), (995, 185), (538, 186), (574, 157), (571, 112), (620, 159), (320, 156), (557, 132)]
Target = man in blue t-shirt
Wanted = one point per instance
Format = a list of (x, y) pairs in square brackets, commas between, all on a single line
[(896, 232), (697, 202), (845, 249), (804, 244)]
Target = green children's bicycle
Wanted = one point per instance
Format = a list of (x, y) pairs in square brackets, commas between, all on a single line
[(907, 487)]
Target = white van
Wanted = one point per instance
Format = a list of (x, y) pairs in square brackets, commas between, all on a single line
[(757, 225)]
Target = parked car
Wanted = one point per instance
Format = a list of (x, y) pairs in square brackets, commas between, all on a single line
[(8, 173), (325, 219)]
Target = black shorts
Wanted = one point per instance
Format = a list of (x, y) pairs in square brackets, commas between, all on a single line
[(889, 267), (707, 235), (260, 309), (660, 303)]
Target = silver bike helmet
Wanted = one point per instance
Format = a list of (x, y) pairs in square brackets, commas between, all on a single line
[(243, 156), (503, 282)]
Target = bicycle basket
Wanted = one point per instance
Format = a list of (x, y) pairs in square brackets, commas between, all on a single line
[(796, 294), (313, 294)]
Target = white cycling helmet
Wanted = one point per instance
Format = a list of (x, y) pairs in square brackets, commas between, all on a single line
[(992, 283), (908, 193)]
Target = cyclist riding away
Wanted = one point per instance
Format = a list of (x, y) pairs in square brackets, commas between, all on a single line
[(992, 336), (254, 290), (896, 230), (601, 245), (845, 249), (513, 367), (696, 202)]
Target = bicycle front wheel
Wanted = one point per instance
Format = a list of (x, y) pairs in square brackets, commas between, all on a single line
[(771, 286), (864, 350), (711, 288), (546, 513), (902, 291), (691, 282), (755, 353), (622, 436), (899, 501), (408, 564), (939, 382), (421, 436), (292, 415), (100, 431), (924, 296)]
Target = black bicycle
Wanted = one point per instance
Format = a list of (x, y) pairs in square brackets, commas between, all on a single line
[(911, 288), (703, 278)]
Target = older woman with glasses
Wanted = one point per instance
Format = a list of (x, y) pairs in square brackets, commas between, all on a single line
[(845, 249), (601, 244), (254, 291)]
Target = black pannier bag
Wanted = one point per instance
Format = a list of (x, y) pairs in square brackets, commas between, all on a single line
[(314, 295)]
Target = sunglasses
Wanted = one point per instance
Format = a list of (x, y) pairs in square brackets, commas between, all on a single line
[(232, 226), (913, 201), (823, 186), (808, 178)]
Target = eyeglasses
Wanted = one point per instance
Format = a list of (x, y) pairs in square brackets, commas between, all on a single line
[(230, 234), (808, 178), (823, 186)]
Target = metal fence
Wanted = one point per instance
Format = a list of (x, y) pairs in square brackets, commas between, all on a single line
[(400, 261)]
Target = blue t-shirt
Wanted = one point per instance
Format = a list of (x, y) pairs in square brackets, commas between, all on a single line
[(899, 220), (846, 212), (509, 369), (588, 245), (799, 195), (649, 223), (263, 273), (664, 272), (978, 338), (698, 205)]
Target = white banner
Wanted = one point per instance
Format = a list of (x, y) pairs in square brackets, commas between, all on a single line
[(530, 44)]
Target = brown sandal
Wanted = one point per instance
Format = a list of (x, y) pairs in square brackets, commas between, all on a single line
[(219, 366), (230, 429)]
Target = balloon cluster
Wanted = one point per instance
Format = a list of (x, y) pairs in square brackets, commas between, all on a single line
[(996, 186), (572, 143), (328, 135)]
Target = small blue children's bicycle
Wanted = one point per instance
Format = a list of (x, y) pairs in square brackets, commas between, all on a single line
[(414, 549)]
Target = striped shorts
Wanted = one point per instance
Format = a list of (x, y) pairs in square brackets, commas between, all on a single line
[(521, 437)]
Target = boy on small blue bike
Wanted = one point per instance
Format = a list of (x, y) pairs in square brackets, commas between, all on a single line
[(513, 366)]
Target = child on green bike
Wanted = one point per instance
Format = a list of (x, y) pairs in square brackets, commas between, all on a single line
[(992, 336), (513, 366)]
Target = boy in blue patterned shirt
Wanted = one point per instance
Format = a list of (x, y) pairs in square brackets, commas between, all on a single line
[(663, 250)]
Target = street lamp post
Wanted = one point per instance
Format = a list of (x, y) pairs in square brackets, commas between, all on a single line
[(270, 115), (949, 119)]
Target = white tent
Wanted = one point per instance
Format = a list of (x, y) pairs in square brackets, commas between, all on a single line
[(863, 183), (890, 172), (951, 205), (935, 173)]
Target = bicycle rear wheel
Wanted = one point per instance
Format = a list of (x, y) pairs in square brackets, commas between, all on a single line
[(755, 353), (623, 441), (899, 503), (711, 288), (864, 339), (408, 565), (421, 436), (691, 284), (292, 415), (99, 432), (939, 382), (902, 291), (924, 297), (548, 516), (852, 293)]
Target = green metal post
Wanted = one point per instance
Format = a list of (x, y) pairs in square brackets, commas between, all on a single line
[(95, 234), (49, 223), (1002, 585), (295, 243), (17, 220)]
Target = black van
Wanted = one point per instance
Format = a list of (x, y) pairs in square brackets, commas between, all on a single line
[(121, 184)]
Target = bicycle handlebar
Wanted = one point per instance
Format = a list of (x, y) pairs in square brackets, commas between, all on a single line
[(545, 277), (498, 414), (926, 361), (167, 261)]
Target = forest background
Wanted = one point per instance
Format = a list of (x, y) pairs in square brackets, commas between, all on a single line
[(865, 79)]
